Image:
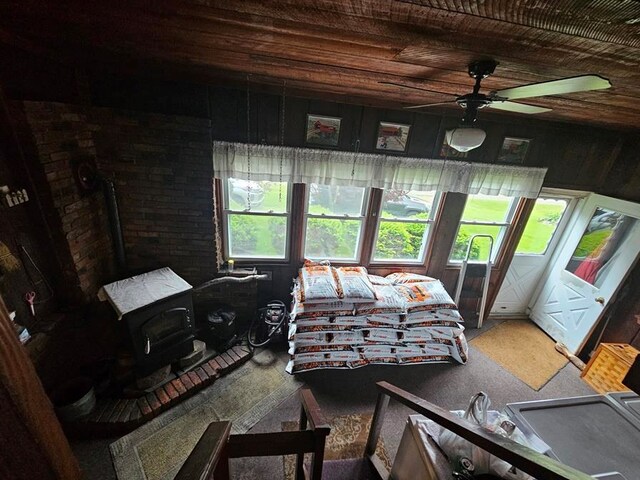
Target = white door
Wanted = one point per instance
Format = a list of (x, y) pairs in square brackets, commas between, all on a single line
[(537, 244), (600, 245)]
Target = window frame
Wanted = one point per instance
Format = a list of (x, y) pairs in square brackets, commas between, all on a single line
[(505, 227), (225, 211), (426, 241)]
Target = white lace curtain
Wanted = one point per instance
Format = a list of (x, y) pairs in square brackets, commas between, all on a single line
[(331, 167)]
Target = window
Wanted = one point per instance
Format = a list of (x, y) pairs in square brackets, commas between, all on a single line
[(541, 226), (405, 221), (313, 220), (606, 232), (256, 219), (334, 222), (257, 222), (483, 215)]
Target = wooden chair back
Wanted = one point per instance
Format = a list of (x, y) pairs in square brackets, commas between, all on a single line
[(210, 458)]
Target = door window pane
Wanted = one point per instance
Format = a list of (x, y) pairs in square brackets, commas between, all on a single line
[(335, 200), (542, 224), (605, 232), (330, 238), (257, 236)]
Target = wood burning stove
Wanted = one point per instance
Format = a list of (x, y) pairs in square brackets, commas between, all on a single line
[(158, 312)]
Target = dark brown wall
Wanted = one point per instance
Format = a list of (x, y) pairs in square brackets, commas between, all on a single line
[(152, 183), (17, 274), (26, 260)]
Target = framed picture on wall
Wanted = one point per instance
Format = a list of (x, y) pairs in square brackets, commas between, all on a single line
[(447, 152), (392, 137), (323, 131), (513, 150)]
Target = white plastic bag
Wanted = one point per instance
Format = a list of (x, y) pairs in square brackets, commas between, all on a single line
[(467, 457)]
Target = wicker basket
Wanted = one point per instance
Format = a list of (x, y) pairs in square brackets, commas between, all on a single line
[(608, 367)]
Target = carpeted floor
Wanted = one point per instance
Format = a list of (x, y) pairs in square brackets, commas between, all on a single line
[(344, 392), (348, 438), (157, 450), (523, 349)]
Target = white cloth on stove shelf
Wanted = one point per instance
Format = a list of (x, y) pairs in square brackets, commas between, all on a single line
[(136, 292)]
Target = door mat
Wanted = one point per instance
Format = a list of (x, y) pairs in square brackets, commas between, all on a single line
[(157, 450), (347, 439), (522, 349)]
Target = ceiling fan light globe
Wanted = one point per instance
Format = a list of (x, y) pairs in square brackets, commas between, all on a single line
[(464, 139)]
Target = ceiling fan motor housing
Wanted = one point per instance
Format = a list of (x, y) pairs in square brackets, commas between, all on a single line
[(471, 102), (482, 69)]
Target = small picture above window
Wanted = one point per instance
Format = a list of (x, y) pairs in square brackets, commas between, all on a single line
[(447, 152), (513, 150), (323, 131), (392, 137)]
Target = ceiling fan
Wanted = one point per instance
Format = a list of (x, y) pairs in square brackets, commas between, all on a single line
[(501, 99)]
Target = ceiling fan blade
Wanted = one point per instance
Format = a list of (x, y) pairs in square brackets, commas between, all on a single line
[(518, 107), (581, 83), (429, 105), (414, 88)]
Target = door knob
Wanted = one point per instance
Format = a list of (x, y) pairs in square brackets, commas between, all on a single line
[(600, 300)]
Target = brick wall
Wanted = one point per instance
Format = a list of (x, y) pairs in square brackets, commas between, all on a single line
[(161, 166), (63, 135)]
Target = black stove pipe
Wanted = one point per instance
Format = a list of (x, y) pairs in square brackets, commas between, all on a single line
[(114, 224)]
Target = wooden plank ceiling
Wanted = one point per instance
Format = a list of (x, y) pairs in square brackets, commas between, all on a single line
[(344, 49)]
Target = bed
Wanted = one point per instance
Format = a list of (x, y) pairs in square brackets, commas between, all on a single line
[(345, 318)]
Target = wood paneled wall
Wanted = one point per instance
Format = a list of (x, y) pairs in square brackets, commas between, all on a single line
[(577, 157)]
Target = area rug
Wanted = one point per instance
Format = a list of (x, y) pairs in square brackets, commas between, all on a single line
[(522, 349), (157, 450), (347, 439)]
